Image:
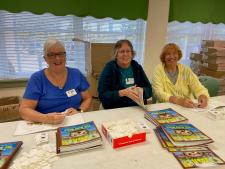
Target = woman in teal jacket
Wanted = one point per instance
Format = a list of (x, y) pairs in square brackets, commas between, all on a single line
[(120, 77)]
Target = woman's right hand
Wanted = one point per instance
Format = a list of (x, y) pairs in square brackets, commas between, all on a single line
[(55, 118), (185, 102), (129, 92)]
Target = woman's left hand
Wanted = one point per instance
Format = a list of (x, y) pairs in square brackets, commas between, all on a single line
[(202, 101), (70, 111)]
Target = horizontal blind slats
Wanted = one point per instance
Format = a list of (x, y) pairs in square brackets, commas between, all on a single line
[(22, 36)]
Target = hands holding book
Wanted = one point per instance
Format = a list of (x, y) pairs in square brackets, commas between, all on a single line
[(135, 93)]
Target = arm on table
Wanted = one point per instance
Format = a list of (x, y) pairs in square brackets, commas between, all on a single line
[(28, 112)]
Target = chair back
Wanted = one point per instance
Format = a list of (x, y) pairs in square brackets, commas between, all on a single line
[(211, 84)]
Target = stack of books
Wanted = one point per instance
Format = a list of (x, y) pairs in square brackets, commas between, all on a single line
[(204, 158), (187, 143), (181, 135), (165, 116), (77, 138), (7, 152)]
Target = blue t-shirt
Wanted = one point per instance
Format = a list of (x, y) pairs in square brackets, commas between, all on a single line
[(51, 98)]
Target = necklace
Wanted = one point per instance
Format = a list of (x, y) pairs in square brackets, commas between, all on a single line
[(172, 74), (56, 79)]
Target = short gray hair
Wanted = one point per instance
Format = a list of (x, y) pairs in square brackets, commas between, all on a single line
[(51, 42), (119, 44)]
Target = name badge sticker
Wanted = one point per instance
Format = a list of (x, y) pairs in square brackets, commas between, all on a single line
[(71, 93), (129, 81)]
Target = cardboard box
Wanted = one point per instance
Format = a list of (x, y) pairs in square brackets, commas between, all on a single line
[(213, 59), (195, 67), (123, 140), (222, 88), (95, 104), (221, 93), (215, 67), (221, 81), (196, 56), (216, 74), (213, 43), (214, 51), (9, 109), (96, 55), (101, 53)]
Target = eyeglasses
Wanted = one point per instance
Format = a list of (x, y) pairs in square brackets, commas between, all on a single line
[(124, 51), (54, 55)]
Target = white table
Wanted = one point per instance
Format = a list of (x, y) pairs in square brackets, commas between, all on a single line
[(147, 155)]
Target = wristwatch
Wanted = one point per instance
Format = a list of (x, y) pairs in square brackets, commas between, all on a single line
[(80, 110)]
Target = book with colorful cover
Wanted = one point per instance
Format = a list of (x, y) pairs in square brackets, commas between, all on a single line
[(165, 116), (77, 138), (184, 149), (7, 152), (163, 139), (185, 135), (199, 159)]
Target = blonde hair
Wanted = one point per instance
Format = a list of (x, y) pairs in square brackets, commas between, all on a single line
[(167, 47), (51, 42)]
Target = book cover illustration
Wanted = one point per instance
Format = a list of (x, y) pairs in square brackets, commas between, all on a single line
[(7, 151), (166, 116), (198, 159), (164, 140), (184, 133), (79, 133)]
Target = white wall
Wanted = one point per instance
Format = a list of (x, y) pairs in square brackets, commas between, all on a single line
[(158, 13)]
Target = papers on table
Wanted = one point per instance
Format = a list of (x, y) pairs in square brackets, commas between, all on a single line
[(26, 127), (211, 105)]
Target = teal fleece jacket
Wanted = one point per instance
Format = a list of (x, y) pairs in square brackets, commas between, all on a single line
[(109, 85)]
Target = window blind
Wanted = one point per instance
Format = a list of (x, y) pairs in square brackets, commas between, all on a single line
[(22, 36)]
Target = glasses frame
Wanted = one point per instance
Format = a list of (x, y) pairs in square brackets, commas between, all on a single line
[(54, 55)]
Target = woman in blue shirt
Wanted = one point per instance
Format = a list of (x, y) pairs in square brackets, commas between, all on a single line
[(55, 89)]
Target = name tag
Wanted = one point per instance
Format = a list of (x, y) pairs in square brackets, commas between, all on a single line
[(129, 81), (71, 93)]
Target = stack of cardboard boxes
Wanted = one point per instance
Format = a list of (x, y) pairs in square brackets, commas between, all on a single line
[(211, 61)]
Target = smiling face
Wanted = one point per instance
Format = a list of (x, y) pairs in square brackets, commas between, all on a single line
[(171, 57), (171, 54), (56, 58), (124, 55)]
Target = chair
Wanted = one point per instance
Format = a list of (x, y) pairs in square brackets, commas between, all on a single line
[(211, 84)]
